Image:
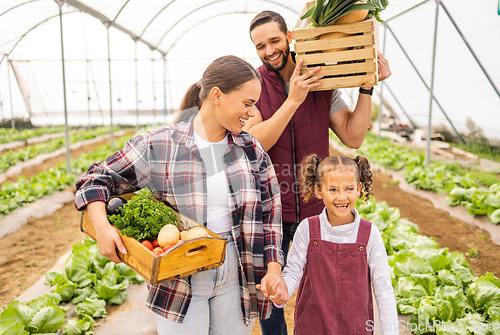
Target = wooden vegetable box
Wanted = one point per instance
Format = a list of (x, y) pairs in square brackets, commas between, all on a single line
[(353, 62), (181, 260)]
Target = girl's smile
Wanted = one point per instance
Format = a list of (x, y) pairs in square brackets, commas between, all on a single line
[(339, 190)]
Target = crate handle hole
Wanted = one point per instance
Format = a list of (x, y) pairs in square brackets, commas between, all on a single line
[(195, 251)]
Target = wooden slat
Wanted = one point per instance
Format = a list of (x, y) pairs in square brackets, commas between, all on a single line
[(353, 81), (330, 43), (348, 28), (339, 69), (338, 56)]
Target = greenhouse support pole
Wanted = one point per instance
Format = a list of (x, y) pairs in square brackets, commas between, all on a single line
[(470, 49), (111, 133), (164, 89), (66, 130), (87, 76), (136, 88), (431, 100), (153, 85), (381, 106), (425, 84), (400, 105), (12, 122)]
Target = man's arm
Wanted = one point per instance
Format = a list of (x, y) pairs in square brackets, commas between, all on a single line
[(269, 131), (351, 126)]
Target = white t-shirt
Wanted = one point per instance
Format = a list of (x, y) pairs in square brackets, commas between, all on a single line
[(376, 256), (218, 214)]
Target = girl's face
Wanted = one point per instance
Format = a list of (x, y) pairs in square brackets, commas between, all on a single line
[(339, 190), (236, 107)]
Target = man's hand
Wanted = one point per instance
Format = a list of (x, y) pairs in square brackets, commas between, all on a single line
[(300, 85), (384, 71)]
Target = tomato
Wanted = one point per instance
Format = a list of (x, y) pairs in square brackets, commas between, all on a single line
[(155, 243), (158, 251), (147, 244), (167, 246)]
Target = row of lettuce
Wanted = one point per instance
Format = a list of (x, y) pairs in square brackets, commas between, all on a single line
[(88, 282), (15, 194), (13, 157), (433, 285), (8, 135), (462, 188)]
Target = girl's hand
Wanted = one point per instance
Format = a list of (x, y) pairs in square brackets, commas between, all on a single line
[(280, 296)]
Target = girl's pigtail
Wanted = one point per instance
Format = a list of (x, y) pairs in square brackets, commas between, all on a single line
[(307, 176), (365, 177)]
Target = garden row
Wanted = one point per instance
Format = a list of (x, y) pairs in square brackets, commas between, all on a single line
[(8, 135), (435, 286), (16, 194), (463, 187), (11, 158)]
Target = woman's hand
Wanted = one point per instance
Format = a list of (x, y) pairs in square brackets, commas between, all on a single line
[(108, 239), (273, 286)]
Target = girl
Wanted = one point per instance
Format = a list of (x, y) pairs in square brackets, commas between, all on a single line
[(337, 256), (209, 170)]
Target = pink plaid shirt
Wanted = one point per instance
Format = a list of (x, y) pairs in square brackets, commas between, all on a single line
[(168, 162)]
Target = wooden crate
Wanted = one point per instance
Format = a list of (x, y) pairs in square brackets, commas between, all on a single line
[(354, 64), (181, 260)]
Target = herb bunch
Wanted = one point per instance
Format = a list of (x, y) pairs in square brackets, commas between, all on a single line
[(142, 217)]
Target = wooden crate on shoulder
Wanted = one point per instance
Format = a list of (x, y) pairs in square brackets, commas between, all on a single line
[(352, 59), (181, 260)]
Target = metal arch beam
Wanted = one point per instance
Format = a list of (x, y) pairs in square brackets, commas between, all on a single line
[(203, 21), (154, 17), (207, 5), (108, 22), (31, 29)]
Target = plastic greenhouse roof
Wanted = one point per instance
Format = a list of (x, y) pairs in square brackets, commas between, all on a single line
[(189, 34)]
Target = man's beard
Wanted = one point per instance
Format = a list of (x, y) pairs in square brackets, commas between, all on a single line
[(283, 62)]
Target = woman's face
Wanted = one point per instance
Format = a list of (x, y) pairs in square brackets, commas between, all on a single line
[(237, 106)]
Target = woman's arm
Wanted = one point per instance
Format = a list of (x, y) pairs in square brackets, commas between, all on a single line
[(108, 239)]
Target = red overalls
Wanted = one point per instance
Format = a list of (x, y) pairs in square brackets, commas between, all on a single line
[(335, 296)]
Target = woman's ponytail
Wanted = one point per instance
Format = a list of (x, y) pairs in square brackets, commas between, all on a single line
[(190, 103)]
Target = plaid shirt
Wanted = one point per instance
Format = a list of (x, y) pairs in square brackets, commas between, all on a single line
[(168, 162)]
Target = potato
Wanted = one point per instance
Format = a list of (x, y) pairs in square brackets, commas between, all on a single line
[(196, 232), (183, 235), (169, 234)]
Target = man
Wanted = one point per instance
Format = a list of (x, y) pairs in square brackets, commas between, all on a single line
[(292, 122)]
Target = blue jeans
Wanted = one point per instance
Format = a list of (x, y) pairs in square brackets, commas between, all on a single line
[(215, 307), (276, 324)]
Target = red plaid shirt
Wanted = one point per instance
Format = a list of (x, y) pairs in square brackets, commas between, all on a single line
[(168, 162)]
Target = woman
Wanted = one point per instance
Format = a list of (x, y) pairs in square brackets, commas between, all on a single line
[(209, 170)]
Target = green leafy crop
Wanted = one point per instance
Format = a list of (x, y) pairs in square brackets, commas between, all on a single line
[(143, 217)]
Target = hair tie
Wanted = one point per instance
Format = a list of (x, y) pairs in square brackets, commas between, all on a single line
[(198, 83)]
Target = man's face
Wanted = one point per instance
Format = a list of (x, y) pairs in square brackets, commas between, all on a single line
[(273, 46)]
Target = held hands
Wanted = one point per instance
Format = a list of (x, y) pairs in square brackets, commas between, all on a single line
[(300, 85), (273, 287)]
